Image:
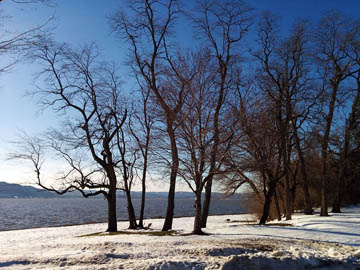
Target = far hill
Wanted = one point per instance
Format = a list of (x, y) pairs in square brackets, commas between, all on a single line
[(18, 191), (8, 190)]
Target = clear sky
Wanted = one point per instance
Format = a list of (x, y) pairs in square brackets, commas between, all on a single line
[(83, 21)]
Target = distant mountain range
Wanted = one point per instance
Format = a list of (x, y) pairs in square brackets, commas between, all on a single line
[(8, 190)]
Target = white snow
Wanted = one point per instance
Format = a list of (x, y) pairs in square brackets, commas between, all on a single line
[(311, 242)]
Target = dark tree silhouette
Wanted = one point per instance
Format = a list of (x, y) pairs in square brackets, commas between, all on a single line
[(147, 27), (88, 92)]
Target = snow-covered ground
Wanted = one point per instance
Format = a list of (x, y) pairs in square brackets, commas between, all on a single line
[(306, 242)]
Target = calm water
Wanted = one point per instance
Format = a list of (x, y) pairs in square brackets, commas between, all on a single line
[(35, 213)]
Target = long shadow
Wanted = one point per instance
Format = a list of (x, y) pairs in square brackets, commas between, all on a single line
[(117, 256), (273, 236), (345, 225), (287, 263), (316, 230), (333, 221), (302, 229), (7, 264)]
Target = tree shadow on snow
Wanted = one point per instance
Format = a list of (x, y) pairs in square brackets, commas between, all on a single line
[(11, 263), (317, 230), (261, 262)]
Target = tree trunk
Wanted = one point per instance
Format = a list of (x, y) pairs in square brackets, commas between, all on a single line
[(324, 152), (349, 125), (143, 193), (288, 204), (198, 219), (174, 169), (171, 205), (278, 212), (267, 203), (266, 210), (214, 153), (207, 200), (111, 200), (324, 188), (307, 201), (131, 211), (344, 155), (337, 200), (285, 149)]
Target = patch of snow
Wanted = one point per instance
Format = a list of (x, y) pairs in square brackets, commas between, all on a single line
[(310, 242)]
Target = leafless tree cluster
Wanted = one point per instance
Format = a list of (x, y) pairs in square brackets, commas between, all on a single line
[(302, 82), (262, 116)]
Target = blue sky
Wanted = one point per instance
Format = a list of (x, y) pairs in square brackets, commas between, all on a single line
[(83, 21)]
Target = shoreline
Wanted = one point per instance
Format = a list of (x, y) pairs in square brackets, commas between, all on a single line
[(119, 221), (18, 214)]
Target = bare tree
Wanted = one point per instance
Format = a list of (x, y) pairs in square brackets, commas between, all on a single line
[(88, 92), (353, 51), (223, 25), (346, 147), (238, 166), (285, 69), (261, 146), (30, 149), (332, 39), (195, 132), (147, 27), (142, 132)]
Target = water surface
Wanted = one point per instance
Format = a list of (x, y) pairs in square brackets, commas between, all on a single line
[(18, 213)]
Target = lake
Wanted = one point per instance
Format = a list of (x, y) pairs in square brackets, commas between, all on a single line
[(18, 213)]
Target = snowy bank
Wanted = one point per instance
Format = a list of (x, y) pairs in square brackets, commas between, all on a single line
[(310, 242)]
